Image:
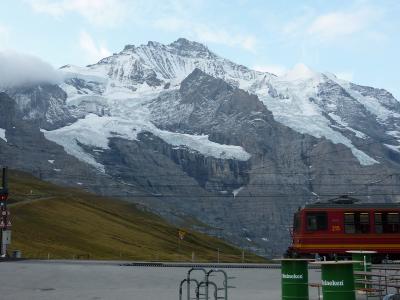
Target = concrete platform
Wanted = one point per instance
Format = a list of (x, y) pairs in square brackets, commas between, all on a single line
[(67, 280)]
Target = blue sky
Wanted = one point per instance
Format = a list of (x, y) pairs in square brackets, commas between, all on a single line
[(357, 40)]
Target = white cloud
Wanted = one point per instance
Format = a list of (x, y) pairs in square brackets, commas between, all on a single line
[(359, 21), (274, 69), (207, 34), (346, 75), (92, 51), (3, 30), (170, 24), (292, 27), (338, 24), (98, 12), (221, 36), (19, 69), (300, 71), (4, 36)]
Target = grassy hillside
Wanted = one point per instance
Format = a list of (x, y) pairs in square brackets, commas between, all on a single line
[(69, 223)]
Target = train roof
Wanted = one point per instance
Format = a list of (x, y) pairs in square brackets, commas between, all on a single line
[(348, 202), (353, 205)]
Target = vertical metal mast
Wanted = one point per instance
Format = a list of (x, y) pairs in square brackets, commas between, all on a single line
[(4, 216)]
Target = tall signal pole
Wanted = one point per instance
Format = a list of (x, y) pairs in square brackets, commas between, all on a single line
[(5, 223)]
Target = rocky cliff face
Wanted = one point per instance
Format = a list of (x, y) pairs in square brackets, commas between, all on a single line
[(44, 104), (205, 142), (25, 147)]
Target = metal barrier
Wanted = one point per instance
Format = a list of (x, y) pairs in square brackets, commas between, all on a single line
[(189, 279), (365, 265), (205, 283), (188, 287), (225, 282)]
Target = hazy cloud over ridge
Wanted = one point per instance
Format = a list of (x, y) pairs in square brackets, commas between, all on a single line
[(17, 69), (97, 12), (340, 23), (92, 50)]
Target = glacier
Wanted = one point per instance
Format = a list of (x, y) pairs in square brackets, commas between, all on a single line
[(95, 131), (111, 98)]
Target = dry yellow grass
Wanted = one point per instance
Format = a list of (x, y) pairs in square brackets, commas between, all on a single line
[(69, 223)]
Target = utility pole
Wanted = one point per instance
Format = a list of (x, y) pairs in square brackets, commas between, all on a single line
[(5, 222)]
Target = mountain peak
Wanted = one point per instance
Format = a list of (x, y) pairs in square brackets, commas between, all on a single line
[(186, 45), (153, 44), (129, 47), (197, 77), (182, 46)]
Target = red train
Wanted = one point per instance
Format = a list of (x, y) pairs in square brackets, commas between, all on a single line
[(332, 228)]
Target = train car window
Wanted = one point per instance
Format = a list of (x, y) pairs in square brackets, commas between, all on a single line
[(356, 222), (363, 226), (296, 222), (349, 223), (392, 224), (317, 221), (387, 222)]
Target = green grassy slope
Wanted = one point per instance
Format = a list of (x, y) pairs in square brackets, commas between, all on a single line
[(69, 223)]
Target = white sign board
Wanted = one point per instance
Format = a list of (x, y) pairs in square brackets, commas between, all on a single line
[(6, 237)]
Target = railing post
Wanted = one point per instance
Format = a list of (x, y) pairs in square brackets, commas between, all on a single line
[(180, 288), (365, 259), (189, 279)]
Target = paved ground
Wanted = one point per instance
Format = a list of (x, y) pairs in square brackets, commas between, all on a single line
[(45, 280)]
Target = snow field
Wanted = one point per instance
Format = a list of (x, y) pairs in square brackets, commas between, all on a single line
[(127, 99)]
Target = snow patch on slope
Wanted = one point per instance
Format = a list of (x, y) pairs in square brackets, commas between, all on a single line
[(3, 134), (296, 111), (237, 191), (339, 120), (202, 144), (98, 74), (393, 147), (370, 103), (95, 131), (396, 135)]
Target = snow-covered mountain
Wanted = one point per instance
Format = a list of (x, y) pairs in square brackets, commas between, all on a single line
[(309, 102), (192, 135)]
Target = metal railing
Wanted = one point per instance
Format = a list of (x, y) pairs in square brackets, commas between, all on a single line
[(205, 284)]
